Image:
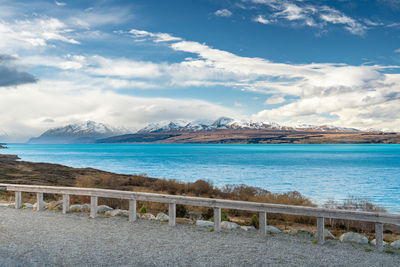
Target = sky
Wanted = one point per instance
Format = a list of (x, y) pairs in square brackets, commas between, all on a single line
[(131, 63)]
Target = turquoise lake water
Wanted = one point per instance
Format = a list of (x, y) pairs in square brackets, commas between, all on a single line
[(320, 172)]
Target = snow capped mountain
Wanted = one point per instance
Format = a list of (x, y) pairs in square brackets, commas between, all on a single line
[(83, 132), (224, 123), (175, 125)]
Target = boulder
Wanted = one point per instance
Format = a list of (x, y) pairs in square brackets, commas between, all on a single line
[(301, 232), (203, 223), (103, 209), (27, 206), (54, 205), (272, 230), (117, 212), (373, 242), (75, 208), (6, 205), (395, 244), (193, 216), (229, 225), (248, 228), (86, 207), (351, 237), (328, 235), (162, 217), (147, 216)]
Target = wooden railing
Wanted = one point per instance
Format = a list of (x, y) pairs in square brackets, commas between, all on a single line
[(378, 218)]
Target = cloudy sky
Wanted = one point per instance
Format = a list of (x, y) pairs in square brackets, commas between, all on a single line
[(130, 63)]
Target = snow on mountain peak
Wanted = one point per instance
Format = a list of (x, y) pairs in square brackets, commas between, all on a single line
[(229, 123)]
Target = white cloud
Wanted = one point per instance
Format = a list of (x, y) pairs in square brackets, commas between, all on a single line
[(336, 17), (223, 13), (157, 37), (33, 33), (336, 90), (42, 101), (397, 50), (59, 3), (311, 15), (273, 100), (262, 19)]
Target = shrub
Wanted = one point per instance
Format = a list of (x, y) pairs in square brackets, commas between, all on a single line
[(224, 217), (143, 210), (254, 221), (180, 211)]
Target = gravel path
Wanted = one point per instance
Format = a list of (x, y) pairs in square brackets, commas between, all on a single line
[(29, 238)]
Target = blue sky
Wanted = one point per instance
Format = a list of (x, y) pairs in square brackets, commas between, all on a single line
[(130, 63)]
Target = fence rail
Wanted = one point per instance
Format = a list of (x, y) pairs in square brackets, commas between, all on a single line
[(379, 218)]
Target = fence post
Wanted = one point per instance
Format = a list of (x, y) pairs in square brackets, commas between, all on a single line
[(217, 219), (172, 214), (39, 201), (132, 210), (93, 206), (379, 236), (320, 230), (18, 199), (65, 204), (262, 223)]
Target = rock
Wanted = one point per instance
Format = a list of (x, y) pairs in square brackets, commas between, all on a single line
[(248, 228), (194, 216), (373, 242), (103, 209), (117, 212), (300, 232), (27, 206), (203, 223), (75, 208), (162, 217), (44, 204), (184, 221), (353, 238), (328, 235), (54, 205), (147, 216), (229, 225), (86, 207), (11, 205), (395, 244), (272, 230), (6, 205)]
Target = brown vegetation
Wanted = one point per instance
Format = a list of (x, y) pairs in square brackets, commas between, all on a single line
[(244, 136)]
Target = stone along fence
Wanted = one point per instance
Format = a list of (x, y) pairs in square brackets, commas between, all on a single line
[(217, 204)]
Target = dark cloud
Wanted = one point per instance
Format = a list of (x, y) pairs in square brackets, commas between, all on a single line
[(10, 75)]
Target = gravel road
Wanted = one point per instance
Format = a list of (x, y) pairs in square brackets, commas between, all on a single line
[(48, 238)]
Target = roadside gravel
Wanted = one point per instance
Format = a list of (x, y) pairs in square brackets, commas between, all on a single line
[(48, 238)]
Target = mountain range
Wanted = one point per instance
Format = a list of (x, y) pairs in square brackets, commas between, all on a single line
[(225, 123), (222, 130)]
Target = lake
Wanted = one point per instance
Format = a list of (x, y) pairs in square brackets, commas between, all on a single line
[(320, 172)]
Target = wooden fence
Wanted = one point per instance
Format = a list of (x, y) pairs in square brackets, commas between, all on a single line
[(378, 218)]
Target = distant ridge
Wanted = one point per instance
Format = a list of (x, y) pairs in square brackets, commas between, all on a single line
[(230, 131), (77, 133), (225, 123)]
